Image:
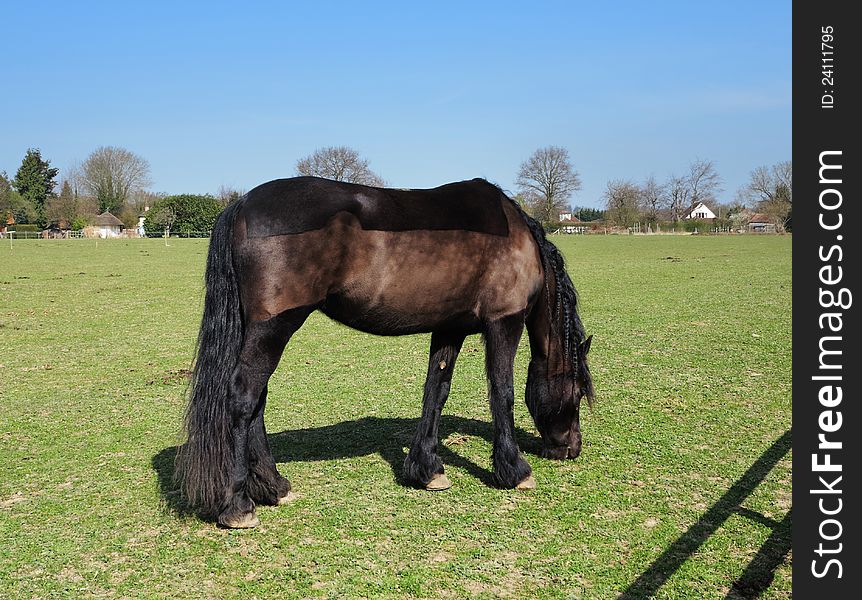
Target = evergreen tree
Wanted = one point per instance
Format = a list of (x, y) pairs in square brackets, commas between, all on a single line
[(13, 207), (588, 214), (35, 180)]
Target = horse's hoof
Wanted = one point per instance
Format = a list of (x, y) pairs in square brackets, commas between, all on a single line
[(244, 521), (289, 497), (438, 483), (528, 484)]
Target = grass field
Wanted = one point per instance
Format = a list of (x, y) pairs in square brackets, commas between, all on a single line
[(683, 487)]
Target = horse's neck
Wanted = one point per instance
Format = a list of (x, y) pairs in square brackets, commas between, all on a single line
[(545, 344)]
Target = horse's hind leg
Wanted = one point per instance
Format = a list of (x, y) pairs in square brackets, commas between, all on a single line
[(501, 343), (265, 484), (423, 466), (263, 344)]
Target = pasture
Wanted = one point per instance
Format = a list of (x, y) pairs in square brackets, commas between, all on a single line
[(682, 490)]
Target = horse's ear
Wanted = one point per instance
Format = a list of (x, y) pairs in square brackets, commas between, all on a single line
[(585, 345)]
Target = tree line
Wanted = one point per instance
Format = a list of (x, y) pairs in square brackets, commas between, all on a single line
[(547, 179), (115, 180), (110, 179), (651, 202)]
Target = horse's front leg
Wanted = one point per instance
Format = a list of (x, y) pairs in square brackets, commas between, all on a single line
[(423, 466), (501, 344)]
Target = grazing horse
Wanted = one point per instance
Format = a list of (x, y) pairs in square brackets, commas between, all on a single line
[(455, 260)]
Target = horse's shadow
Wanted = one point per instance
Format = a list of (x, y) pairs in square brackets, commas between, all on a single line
[(360, 437)]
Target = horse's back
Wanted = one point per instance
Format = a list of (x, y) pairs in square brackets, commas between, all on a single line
[(301, 204)]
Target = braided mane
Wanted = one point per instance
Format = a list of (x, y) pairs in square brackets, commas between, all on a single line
[(565, 321)]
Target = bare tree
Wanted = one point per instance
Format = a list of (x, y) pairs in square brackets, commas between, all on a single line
[(704, 181), (527, 199), (621, 202), (783, 176), (111, 174), (549, 176), (339, 163), (75, 176), (653, 196), (227, 194), (772, 184), (678, 196), (140, 201), (772, 191)]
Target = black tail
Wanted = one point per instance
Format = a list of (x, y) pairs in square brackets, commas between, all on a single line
[(567, 322), (205, 461)]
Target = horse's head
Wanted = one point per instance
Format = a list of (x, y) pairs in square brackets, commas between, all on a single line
[(554, 396)]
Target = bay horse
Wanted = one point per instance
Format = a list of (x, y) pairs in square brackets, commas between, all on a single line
[(455, 260)]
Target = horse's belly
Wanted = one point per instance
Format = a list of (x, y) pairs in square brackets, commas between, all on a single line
[(423, 281), (391, 318)]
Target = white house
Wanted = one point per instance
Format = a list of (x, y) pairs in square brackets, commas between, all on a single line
[(107, 225), (700, 211), (569, 223)]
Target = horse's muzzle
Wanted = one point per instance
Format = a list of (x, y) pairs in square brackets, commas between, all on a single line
[(564, 446), (561, 452)]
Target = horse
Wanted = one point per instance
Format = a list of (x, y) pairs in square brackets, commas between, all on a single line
[(455, 260)]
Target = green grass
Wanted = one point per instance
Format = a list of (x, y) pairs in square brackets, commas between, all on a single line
[(691, 360)]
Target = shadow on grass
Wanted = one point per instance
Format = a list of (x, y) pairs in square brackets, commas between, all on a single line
[(389, 437), (361, 437), (760, 571)]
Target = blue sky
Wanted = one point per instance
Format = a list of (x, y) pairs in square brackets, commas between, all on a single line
[(234, 94)]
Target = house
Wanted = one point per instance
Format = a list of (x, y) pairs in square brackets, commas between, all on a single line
[(569, 223), (759, 223), (107, 225), (699, 211)]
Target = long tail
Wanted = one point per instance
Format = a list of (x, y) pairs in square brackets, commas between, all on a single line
[(205, 461)]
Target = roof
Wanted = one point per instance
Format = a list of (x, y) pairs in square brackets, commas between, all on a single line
[(758, 218), (572, 219), (697, 205), (107, 218)]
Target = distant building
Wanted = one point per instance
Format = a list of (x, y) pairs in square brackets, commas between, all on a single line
[(141, 219), (107, 225), (569, 223), (759, 223), (700, 211)]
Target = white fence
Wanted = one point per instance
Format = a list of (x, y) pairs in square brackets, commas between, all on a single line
[(66, 235)]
